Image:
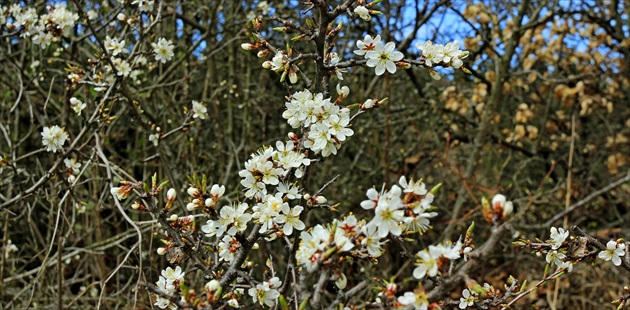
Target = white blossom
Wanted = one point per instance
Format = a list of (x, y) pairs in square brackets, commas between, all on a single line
[(613, 252), (77, 105), (383, 57), (154, 138), (53, 138), (72, 165), (427, 263), (278, 61), (417, 187), (199, 110), (367, 44), (555, 257), (467, 299), (290, 218), (433, 53), (414, 300), (172, 275), (372, 241), (266, 293), (114, 46), (558, 236), (228, 248), (163, 50)]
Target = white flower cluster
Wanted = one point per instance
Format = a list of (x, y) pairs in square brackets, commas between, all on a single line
[(53, 138), (169, 282), (555, 256), (389, 208), (274, 212), (427, 260), (327, 123), (379, 56), (349, 234), (266, 293), (44, 29), (114, 46), (72, 168), (558, 236), (228, 248), (232, 219), (269, 166), (315, 244), (448, 55)]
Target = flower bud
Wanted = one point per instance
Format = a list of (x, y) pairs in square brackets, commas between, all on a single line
[(507, 209), (191, 206), (213, 285), (498, 201), (343, 91), (173, 217), (263, 54), (501, 207), (267, 64), (121, 192), (293, 78), (391, 289), (486, 210), (193, 191), (248, 46), (209, 202), (135, 206), (161, 251), (320, 200), (121, 17), (368, 104), (217, 190), (171, 194), (255, 246), (307, 196)]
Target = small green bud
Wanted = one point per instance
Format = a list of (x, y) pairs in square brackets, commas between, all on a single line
[(436, 188)]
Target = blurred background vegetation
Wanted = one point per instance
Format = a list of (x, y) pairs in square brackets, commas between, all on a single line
[(549, 82)]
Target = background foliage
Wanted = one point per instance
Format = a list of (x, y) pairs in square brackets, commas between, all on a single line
[(546, 105)]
